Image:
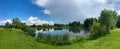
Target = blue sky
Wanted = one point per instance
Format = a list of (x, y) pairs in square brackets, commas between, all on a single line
[(22, 9), (54, 11)]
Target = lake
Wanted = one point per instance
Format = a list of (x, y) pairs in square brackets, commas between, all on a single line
[(72, 32)]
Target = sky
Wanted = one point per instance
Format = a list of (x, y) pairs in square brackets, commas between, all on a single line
[(53, 11)]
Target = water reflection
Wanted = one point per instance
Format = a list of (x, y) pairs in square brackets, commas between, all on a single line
[(42, 30), (58, 28), (60, 31), (75, 30)]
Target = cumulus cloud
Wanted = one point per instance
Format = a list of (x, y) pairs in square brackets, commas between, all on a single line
[(30, 21), (34, 20), (41, 2), (2, 22), (76, 10)]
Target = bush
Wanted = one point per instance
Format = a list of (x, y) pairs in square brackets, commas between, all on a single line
[(97, 30), (30, 31)]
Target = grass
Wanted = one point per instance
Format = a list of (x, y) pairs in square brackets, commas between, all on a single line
[(16, 39), (110, 41)]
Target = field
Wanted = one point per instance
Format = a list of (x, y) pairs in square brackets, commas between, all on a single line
[(17, 39)]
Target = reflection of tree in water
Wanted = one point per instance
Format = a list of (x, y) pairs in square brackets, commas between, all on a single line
[(58, 28), (75, 30), (39, 28), (45, 29)]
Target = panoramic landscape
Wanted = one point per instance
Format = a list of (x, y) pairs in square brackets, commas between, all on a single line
[(59, 24)]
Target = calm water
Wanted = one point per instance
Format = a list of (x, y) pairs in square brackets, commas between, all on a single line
[(60, 31)]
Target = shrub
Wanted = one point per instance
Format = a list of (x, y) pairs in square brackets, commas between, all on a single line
[(30, 31), (97, 30)]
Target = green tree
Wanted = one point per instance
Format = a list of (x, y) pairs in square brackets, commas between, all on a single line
[(118, 22), (88, 23), (22, 26), (59, 25), (97, 31), (75, 24), (8, 25), (108, 18), (33, 25), (29, 30), (16, 22)]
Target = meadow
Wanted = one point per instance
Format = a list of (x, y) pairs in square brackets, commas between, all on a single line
[(18, 39)]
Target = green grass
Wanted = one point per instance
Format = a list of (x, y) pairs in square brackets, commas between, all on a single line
[(16, 39)]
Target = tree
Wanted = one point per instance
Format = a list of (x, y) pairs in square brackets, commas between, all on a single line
[(75, 24), (22, 26), (59, 25), (97, 31), (8, 25), (108, 18), (118, 22), (16, 22), (88, 22), (33, 25)]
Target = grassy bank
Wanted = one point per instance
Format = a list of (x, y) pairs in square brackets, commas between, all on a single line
[(16, 39)]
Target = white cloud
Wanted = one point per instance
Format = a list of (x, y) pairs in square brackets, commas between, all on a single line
[(2, 22), (77, 10), (34, 20), (46, 11), (118, 12), (101, 1), (30, 21), (40, 2)]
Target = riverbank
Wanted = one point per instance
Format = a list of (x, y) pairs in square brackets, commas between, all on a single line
[(17, 39)]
